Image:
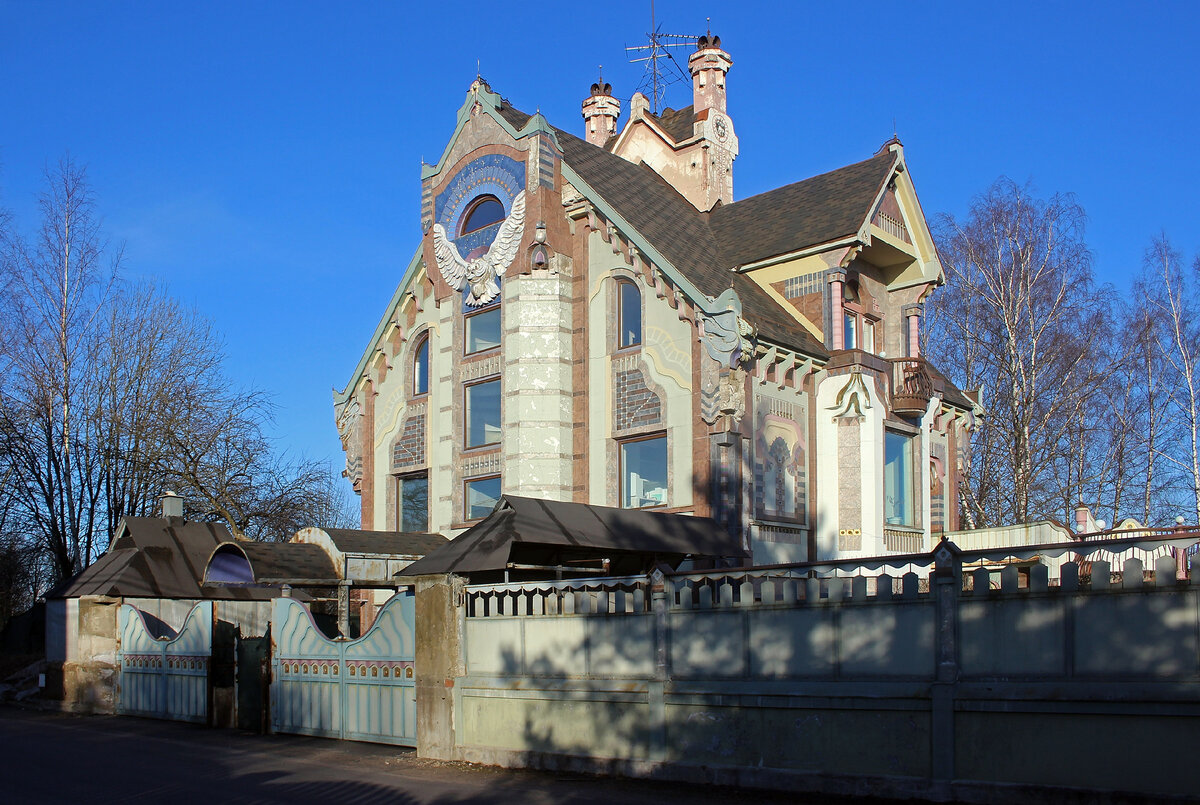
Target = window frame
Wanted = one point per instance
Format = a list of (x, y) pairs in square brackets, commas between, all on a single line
[(853, 314), (466, 486), (422, 344), (400, 479), (622, 478), (493, 307), (622, 283), (466, 424), (473, 207), (911, 519)]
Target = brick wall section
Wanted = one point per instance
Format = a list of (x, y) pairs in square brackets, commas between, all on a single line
[(409, 450), (637, 405)]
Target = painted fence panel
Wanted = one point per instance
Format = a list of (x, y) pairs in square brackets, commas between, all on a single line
[(361, 690), (164, 677)]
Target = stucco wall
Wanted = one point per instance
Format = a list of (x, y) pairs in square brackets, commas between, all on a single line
[(840, 685)]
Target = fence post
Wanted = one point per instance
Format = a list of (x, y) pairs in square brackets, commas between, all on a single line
[(947, 578), (656, 687), (438, 661)]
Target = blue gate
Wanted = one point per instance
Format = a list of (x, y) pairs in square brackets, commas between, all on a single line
[(164, 677), (362, 690)]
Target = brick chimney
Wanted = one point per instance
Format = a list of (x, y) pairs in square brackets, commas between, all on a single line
[(600, 113)]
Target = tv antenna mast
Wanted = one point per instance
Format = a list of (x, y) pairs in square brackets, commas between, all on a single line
[(662, 69)]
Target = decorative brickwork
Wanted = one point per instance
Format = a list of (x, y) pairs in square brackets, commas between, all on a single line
[(409, 450), (637, 406), (849, 485)]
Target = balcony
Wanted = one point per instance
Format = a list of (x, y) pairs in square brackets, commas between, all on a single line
[(912, 386)]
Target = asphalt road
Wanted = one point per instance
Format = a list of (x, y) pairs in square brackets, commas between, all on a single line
[(57, 758)]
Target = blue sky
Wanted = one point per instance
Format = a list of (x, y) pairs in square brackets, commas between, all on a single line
[(263, 159)]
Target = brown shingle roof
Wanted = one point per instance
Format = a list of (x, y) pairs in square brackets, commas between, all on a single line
[(705, 247), (155, 557), (394, 543), (682, 235), (679, 124), (814, 211)]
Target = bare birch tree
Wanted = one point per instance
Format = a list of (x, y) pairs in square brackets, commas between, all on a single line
[(111, 394), (1172, 299), (56, 286), (1021, 319)]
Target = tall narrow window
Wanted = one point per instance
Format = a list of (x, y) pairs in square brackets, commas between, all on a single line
[(421, 368), (900, 504), (868, 336), (483, 413), (412, 502), (644, 472), (629, 315), (480, 497), (850, 333)]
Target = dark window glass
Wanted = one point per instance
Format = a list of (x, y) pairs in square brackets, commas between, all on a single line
[(481, 497), (483, 413), (421, 369), (483, 330), (414, 503), (629, 315), (485, 212), (644, 473)]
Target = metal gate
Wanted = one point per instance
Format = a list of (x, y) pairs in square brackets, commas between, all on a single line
[(362, 689), (164, 677)]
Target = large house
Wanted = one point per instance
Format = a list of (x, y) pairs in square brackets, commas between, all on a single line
[(596, 320)]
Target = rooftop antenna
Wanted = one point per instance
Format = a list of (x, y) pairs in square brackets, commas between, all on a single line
[(662, 69)]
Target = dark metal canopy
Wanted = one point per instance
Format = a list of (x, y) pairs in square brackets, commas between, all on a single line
[(529, 532)]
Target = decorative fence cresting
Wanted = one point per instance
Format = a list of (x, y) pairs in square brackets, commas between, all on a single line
[(362, 690), (164, 677)]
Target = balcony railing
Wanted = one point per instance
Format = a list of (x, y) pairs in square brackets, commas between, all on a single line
[(911, 386)]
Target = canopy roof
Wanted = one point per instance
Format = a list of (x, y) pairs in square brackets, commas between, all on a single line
[(540, 532), (156, 557)]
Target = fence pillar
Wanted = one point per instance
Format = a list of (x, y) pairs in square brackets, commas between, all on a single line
[(656, 687), (439, 663), (947, 579)]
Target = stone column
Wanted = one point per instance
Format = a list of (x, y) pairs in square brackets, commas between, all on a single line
[(912, 317), (837, 280), (539, 427)]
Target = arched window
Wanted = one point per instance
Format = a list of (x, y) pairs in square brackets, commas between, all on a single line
[(483, 212), (421, 367), (629, 315)]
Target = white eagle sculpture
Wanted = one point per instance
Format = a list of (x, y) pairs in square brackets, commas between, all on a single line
[(481, 273)]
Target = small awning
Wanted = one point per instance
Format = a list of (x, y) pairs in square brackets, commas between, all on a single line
[(530, 531)]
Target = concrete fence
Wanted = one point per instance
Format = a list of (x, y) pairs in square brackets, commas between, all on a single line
[(974, 676)]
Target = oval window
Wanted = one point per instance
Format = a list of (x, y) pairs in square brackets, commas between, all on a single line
[(484, 211)]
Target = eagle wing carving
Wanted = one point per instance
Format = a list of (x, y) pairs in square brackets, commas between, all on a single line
[(449, 261), (508, 239), (481, 273)]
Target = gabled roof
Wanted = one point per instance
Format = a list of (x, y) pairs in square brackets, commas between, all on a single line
[(706, 247), (819, 210), (679, 124), (393, 543), (519, 526), (155, 557), (682, 234)]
